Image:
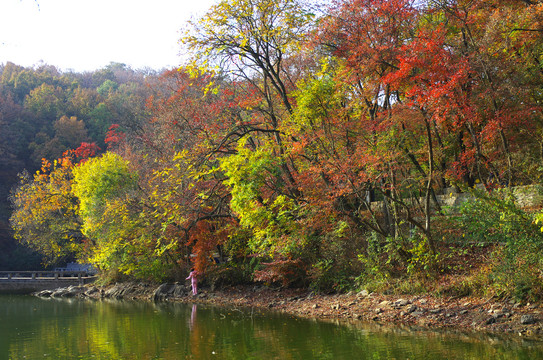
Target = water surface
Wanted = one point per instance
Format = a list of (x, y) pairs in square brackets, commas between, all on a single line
[(32, 328)]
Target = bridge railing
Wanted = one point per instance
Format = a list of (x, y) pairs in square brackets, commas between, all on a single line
[(42, 275)]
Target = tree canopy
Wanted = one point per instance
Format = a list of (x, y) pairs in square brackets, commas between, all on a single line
[(300, 146)]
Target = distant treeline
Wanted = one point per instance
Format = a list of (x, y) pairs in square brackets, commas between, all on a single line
[(44, 112)]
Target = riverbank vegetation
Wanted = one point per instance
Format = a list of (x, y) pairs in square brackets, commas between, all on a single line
[(309, 146)]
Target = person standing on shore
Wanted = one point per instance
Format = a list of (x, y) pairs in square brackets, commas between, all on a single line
[(193, 276)]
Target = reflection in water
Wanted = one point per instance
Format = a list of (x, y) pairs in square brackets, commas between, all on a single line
[(193, 316), (33, 328)]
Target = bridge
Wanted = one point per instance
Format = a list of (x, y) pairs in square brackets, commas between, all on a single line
[(26, 282)]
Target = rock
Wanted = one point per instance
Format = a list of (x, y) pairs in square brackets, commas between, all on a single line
[(119, 291), (92, 291), (70, 291), (411, 308), (384, 303), (401, 302), (167, 291), (490, 320), (363, 293), (178, 290), (43, 293), (161, 292), (527, 319), (498, 314)]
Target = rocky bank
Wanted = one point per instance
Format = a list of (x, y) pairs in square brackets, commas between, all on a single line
[(523, 319)]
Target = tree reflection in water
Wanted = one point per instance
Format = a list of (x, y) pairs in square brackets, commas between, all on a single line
[(67, 329)]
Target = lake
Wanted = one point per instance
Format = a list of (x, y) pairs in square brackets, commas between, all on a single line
[(34, 328)]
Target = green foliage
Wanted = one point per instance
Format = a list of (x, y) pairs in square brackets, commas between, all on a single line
[(100, 180), (498, 219), (421, 259), (46, 101), (107, 87), (105, 187), (333, 267), (376, 261), (327, 276), (232, 273), (271, 217), (495, 219), (318, 100)]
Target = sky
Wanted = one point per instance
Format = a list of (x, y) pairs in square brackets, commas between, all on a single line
[(85, 35)]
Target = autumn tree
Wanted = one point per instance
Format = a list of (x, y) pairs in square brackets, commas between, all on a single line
[(106, 190), (45, 216), (69, 132), (368, 39), (182, 146), (253, 43), (252, 39)]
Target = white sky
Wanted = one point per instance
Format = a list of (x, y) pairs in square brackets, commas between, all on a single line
[(89, 34)]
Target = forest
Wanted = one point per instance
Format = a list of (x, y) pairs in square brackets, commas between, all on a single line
[(301, 145)]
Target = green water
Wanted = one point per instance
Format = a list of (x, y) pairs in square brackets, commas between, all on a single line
[(32, 328)]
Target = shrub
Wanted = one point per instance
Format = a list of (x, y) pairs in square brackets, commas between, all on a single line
[(230, 273), (496, 219)]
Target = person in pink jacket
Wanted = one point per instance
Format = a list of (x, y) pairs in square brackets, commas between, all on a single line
[(193, 276)]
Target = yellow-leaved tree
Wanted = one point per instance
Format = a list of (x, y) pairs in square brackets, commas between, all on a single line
[(45, 212), (113, 218)]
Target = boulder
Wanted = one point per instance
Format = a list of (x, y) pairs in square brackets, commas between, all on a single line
[(70, 291), (43, 293), (169, 291), (527, 319)]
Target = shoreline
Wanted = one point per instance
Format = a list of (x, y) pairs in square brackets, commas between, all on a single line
[(465, 313)]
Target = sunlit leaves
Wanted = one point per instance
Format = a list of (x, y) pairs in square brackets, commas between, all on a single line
[(99, 181), (251, 176), (45, 212)]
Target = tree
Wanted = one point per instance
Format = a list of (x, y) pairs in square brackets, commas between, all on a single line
[(45, 212), (252, 39), (106, 191), (46, 102), (254, 44), (368, 40), (182, 145), (69, 132)]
